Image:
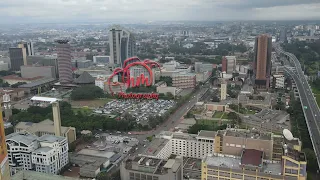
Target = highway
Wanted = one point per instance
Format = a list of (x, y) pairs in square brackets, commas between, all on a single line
[(308, 101)]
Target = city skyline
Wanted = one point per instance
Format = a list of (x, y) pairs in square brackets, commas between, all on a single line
[(204, 10)]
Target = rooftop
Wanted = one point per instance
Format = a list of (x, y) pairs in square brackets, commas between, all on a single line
[(207, 134), (156, 146), (16, 77), (42, 149), (33, 175), (252, 157), (247, 134), (25, 138), (51, 138), (37, 83), (43, 126)]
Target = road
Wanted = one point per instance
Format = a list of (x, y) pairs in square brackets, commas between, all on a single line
[(174, 119), (308, 101)]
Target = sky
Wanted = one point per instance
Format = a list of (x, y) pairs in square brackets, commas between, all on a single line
[(46, 11)]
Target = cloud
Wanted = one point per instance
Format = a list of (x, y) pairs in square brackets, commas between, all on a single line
[(20, 11)]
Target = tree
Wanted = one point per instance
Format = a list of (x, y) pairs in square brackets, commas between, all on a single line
[(87, 92), (170, 95)]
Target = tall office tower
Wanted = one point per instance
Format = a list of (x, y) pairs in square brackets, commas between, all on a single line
[(262, 61), (56, 118), (4, 168), (122, 45), (64, 61), (283, 35), (229, 64), (223, 91), (28, 46), (17, 58)]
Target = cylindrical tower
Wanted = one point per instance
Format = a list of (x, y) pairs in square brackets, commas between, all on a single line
[(64, 61)]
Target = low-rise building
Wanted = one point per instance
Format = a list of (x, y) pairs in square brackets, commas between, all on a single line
[(13, 79), (184, 80), (141, 167), (31, 175), (4, 66), (187, 145), (278, 81), (47, 154), (31, 71), (251, 165), (45, 127)]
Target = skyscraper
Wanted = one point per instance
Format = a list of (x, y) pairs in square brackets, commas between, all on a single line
[(262, 61), (28, 46), (283, 35), (16, 58), (229, 64), (4, 168), (64, 61), (122, 45)]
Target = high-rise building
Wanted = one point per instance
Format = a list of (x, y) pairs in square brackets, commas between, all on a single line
[(64, 61), (17, 58), (229, 64), (28, 46), (4, 168), (283, 35), (262, 61), (122, 45)]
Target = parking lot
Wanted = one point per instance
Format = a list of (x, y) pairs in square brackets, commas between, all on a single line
[(140, 110)]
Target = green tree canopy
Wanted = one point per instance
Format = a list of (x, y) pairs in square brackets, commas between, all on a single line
[(87, 92)]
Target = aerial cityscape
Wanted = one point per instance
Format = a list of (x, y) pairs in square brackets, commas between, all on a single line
[(188, 91)]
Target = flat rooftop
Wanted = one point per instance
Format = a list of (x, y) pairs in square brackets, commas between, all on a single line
[(234, 163), (207, 134), (156, 146), (248, 134), (252, 157)]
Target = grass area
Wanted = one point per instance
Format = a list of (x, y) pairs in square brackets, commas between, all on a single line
[(208, 122), (217, 114), (84, 111), (90, 103), (225, 116), (316, 93)]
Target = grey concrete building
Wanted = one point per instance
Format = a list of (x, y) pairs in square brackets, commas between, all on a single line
[(44, 61), (16, 58), (35, 71), (144, 168)]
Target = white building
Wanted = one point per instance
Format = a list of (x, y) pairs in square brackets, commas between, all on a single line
[(100, 82), (278, 81), (47, 154), (4, 66), (223, 91), (122, 45), (136, 71), (187, 145)]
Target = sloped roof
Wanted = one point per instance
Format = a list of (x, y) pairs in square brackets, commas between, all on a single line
[(85, 78)]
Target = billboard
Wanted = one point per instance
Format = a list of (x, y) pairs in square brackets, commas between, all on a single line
[(130, 81)]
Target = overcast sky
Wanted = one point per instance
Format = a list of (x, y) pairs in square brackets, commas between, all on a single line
[(20, 11)]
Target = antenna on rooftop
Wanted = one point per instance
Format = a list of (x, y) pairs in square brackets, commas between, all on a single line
[(287, 134)]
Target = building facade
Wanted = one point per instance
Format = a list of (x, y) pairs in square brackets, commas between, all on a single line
[(229, 64), (16, 58), (278, 81), (29, 48), (64, 61), (35, 71), (262, 61), (223, 91), (101, 59), (44, 61), (47, 154), (4, 160), (182, 144), (184, 80), (122, 45)]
